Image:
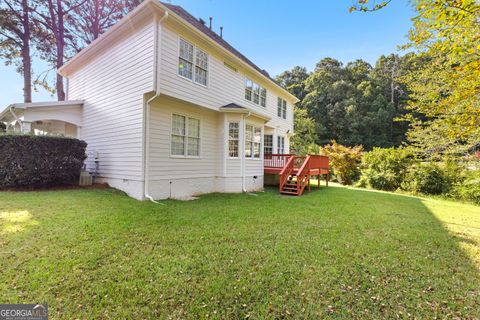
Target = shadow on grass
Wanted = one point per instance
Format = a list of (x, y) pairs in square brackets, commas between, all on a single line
[(334, 252)]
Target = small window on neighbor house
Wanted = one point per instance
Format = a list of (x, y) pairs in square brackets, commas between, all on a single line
[(253, 141), (185, 140), (280, 145), (268, 144), (255, 93), (192, 62), (281, 108), (233, 138)]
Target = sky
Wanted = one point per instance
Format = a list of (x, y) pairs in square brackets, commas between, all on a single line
[(278, 35)]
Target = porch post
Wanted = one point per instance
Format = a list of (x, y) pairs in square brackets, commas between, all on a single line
[(26, 127)]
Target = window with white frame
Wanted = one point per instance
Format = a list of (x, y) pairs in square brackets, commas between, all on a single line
[(253, 141), (233, 139), (281, 108), (255, 93), (280, 145), (268, 144), (192, 62), (185, 140)]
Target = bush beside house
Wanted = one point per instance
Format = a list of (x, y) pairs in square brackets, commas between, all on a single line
[(40, 161)]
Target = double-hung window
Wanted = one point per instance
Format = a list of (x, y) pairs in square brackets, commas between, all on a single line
[(255, 93), (253, 141), (185, 139), (281, 108), (233, 139), (268, 144), (280, 144), (192, 62)]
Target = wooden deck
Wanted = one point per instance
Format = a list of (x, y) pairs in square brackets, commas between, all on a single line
[(296, 171)]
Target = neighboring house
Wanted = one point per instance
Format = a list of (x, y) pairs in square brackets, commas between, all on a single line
[(169, 108)]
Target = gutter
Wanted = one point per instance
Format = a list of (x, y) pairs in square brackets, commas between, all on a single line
[(146, 146)]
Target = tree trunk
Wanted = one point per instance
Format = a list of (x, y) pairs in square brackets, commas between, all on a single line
[(60, 50), (26, 61)]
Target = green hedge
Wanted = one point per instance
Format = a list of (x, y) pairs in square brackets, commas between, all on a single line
[(39, 161)]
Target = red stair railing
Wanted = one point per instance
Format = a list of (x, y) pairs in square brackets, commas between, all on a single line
[(286, 172)]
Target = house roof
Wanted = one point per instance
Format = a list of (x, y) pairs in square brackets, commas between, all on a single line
[(6, 114), (232, 106), (138, 15), (235, 108), (47, 104), (214, 36)]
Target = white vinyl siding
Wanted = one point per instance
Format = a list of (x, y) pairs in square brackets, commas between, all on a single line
[(224, 85), (113, 83)]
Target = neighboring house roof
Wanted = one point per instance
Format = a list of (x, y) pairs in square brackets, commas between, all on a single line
[(214, 36)]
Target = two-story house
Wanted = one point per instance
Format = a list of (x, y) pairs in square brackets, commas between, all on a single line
[(168, 108)]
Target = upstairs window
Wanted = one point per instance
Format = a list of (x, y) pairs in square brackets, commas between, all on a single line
[(192, 63), (255, 93), (185, 136), (233, 139), (253, 141), (282, 108)]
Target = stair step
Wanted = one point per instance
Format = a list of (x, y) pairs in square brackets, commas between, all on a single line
[(289, 192), (289, 188)]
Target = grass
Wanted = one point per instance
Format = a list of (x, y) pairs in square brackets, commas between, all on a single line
[(335, 252)]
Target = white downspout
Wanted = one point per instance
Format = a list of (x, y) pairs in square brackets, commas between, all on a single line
[(156, 68)]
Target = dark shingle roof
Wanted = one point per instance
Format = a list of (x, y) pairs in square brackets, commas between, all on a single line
[(232, 106), (212, 35)]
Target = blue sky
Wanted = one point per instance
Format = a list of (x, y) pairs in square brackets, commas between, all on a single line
[(278, 35)]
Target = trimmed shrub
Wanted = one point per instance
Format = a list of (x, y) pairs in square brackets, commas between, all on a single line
[(427, 178), (385, 168), (39, 161), (344, 161)]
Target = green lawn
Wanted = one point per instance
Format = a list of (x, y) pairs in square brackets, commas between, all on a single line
[(335, 252)]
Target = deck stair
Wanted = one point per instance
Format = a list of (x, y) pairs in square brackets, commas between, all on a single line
[(296, 171)]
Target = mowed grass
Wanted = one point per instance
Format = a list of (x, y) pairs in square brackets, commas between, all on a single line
[(333, 253)]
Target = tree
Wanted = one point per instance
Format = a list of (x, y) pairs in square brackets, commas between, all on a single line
[(351, 104), (52, 16), (71, 25), (88, 21), (445, 91), (344, 161), (294, 81), (304, 129), (15, 37)]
